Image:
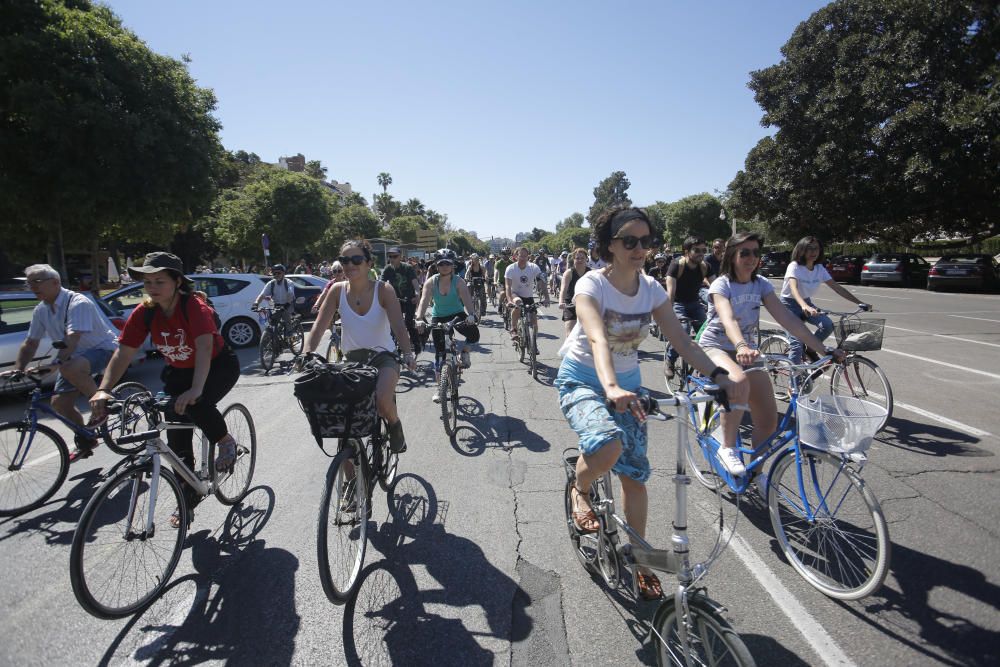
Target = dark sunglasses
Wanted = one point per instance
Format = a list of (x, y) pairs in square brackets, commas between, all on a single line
[(630, 242), (700, 251), (445, 262), (337, 271), (746, 252), (392, 255), (356, 260)]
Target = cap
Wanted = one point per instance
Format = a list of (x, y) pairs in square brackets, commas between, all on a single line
[(474, 256), (393, 250), (159, 261)]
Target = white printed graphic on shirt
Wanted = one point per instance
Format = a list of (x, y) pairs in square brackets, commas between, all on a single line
[(625, 331), (179, 352)]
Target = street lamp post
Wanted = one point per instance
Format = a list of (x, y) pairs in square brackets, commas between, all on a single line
[(722, 216)]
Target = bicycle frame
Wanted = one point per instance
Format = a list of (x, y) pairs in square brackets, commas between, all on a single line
[(35, 405)]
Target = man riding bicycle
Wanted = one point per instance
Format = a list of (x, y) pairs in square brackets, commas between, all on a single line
[(403, 279), (281, 291), (685, 277), (519, 284)]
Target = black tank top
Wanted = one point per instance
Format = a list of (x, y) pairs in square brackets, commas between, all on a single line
[(572, 285)]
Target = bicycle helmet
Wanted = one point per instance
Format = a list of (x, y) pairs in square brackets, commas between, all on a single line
[(445, 254), (278, 267), (660, 256)]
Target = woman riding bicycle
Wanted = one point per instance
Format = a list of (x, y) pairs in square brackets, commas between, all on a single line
[(200, 369), (803, 278), (568, 288), (369, 315), (448, 296), (600, 363), (730, 334)]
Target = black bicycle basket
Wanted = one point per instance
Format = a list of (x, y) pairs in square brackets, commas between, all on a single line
[(338, 400)]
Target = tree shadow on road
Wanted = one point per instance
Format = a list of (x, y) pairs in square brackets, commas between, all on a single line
[(929, 439), (392, 621)]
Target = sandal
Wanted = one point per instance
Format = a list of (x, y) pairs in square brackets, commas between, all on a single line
[(175, 518), (649, 586), (585, 521)]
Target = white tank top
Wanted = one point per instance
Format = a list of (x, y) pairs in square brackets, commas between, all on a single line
[(367, 332)]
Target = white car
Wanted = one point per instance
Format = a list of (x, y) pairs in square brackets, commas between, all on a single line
[(231, 295), (15, 317)]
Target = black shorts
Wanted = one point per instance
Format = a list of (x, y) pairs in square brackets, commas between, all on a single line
[(526, 300)]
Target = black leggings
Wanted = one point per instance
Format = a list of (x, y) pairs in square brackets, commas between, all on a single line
[(469, 331), (222, 376)]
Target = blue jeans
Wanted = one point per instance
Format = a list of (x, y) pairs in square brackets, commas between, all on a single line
[(693, 311), (824, 324)]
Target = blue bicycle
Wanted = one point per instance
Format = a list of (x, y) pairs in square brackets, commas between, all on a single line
[(34, 459), (828, 522)]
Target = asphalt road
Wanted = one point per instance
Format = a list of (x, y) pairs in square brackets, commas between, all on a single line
[(482, 572)]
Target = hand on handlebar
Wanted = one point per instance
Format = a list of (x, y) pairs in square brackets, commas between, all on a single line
[(838, 355), (99, 402), (471, 319), (746, 355), (810, 311), (866, 307), (421, 326), (626, 400), (13, 374)]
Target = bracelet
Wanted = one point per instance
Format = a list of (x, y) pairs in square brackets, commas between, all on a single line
[(743, 343), (718, 370)]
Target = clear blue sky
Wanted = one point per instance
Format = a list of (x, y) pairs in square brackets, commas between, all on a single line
[(502, 115)]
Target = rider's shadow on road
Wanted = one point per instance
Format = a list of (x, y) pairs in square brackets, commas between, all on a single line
[(238, 607), (392, 621), (479, 430), (57, 519), (929, 439)]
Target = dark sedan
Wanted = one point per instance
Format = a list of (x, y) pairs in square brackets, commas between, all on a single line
[(773, 264), (307, 290), (846, 268), (973, 271), (895, 268)]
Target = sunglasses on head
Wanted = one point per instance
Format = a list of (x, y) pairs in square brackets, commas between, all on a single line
[(746, 252), (630, 242), (356, 260)]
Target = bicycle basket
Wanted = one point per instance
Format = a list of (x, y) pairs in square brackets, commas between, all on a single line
[(338, 400), (857, 335), (838, 424)]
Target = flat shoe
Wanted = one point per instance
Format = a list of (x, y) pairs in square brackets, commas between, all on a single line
[(649, 586)]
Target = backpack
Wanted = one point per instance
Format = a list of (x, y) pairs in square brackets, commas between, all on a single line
[(151, 313)]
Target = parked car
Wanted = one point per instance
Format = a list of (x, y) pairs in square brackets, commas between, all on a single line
[(307, 289), (846, 268), (895, 268), (15, 318), (773, 264), (976, 271)]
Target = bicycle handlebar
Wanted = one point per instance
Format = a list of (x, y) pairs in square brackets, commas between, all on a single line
[(654, 406)]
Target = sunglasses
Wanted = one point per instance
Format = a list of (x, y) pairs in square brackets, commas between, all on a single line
[(746, 252), (630, 242), (392, 256), (337, 271), (356, 260), (444, 262), (699, 251)]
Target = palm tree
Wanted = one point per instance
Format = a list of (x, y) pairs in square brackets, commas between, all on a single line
[(414, 207), (384, 181)]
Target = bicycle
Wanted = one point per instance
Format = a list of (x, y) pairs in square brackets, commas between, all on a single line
[(688, 626), (123, 551), (451, 376), (334, 353), (342, 527), (827, 521), (680, 374), (491, 292), (526, 339), (479, 297), (276, 338), (858, 376), (34, 458)]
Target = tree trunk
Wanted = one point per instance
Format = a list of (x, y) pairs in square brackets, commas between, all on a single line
[(55, 255)]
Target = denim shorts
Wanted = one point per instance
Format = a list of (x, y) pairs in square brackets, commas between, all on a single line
[(98, 359), (581, 398)]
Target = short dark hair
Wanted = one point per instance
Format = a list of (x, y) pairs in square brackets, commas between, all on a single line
[(799, 252), (603, 228), (691, 242), (728, 265)]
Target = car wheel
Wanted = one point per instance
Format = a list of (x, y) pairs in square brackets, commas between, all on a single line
[(865, 283), (241, 332)]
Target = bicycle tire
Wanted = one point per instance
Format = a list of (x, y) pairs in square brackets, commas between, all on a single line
[(584, 544), (862, 378), (780, 374), (267, 350), (341, 551), (296, 339), (449, 408), (128, 420), (698, 464), (103, 524), (608, 563), (20, 490), (807, 545), (389, 459), (681, 376), (532, 352), (231, 486), (712, 639)]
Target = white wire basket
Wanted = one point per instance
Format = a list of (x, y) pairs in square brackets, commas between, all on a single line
[(838, 424)]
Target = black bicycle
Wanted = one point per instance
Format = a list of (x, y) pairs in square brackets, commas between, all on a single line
[(276, 338), (479, 297), (526, 338)]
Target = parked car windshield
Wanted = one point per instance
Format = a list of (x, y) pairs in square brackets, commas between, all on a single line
[(887, 259), (963, 259)]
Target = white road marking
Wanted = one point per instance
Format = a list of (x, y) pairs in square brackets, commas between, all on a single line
[(965, 317), (943, 363), (957, 425), (883, 296), (815, 634), (945, 336)]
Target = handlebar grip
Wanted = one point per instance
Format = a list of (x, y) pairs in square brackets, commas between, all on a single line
[(648, 404), (720, 396)]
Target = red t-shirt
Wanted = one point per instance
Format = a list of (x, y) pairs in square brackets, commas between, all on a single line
[(174, 337)]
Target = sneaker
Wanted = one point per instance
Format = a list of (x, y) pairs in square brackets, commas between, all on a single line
[(731, 461), (466, 362), (437, 396), (670, 370), (396, 441), (84, 448), (226, 456)]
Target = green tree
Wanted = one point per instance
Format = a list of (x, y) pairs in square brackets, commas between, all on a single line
[(384, 181), (886, 117), (414, 206), (610, 192), (386, 207), (404, 228), (574, 220), (350, 222), (315, 169), (537, 234), (697, 215)]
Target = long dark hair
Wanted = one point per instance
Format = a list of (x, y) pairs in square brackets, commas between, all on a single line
[(728, 265), (799, 252)]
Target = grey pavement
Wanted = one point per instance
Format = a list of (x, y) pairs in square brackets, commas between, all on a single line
[(481, 571)]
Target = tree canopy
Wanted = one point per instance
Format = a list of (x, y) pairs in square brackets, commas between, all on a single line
[(610, 192), (886, 117), (697, 215)]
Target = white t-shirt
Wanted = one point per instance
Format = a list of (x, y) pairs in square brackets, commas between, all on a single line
[(809, 281), (626, 319), (522, 281), (745, 298), (283, 293), (72, 313), (554, 264)]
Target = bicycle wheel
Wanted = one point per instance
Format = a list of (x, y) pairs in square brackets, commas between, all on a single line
[(608, 565), (584, 544), (681, 376), (521, 340), (268, 350), (532, 352), (296, 338), (700, 468), (449, 406), (711, 639), (117, 567), (131, 418), (844, 550), (862, 378), (33, 465), (232, 484), (343, 524), (482, 305), (389, 460), (780, 375)]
